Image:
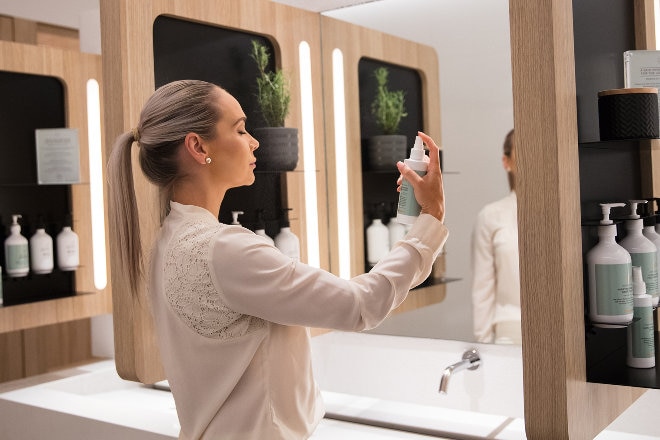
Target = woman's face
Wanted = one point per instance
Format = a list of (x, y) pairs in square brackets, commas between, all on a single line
[(232, 149)]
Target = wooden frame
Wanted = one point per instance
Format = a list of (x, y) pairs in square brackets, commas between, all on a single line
[(559, 402), (74, 69), (127, 46)]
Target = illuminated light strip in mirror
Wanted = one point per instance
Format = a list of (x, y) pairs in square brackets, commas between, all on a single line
[(341, 165), (309, 153), (656, 13), (96, 184)]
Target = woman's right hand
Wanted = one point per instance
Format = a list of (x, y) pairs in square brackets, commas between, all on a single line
[(429, 189)]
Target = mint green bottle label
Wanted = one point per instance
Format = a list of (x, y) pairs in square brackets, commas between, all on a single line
[(17, 257), (648, 261), (614, 289), (407, 202), (643, 345)]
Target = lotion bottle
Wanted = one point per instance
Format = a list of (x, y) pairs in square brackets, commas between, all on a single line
[(649, 221), (396, 231), (610, 276), (642, 250), (261, 227), (641, 341), (285, 240), (378, 239), (17, 259), (68, 251), (41, 250), (408, 209)]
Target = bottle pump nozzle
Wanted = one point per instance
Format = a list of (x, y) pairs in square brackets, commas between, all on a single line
[(605, 207), (417, 152), (633, 208), (639, 286), (234, 217)]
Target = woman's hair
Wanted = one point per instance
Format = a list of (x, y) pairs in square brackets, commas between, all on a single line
[(508, 150), (173, 111)]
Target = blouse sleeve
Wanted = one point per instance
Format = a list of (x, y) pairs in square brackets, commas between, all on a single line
[(255, 278), (483, 280)]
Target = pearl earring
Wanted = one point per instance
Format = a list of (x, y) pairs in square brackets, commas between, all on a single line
[(208, 160)]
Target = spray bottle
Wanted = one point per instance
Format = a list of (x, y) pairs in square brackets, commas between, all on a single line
[(408, 209), (610, 276)]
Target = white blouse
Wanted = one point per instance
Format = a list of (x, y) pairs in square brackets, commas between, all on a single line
[(495, 271), (230, 312)]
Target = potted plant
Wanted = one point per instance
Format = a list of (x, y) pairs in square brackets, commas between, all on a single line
[(388, 108), (278, 150)]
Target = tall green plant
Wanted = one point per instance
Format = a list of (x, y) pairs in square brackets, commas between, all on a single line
[(273, 94), (388, 106)]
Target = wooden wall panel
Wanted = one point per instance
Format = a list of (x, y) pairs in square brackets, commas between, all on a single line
[(559, 403), (356, 42), (127, 45)]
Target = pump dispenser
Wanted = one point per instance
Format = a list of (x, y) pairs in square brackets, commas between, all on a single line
[(649, 221), (642, 250), (17, 258), (610, 276), (234, 217), (41, 250), (261, 227), (408, 209), (286, 241), (641, 340)]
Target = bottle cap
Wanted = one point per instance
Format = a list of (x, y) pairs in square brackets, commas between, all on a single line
[(417, 152), (633, 208), (605, 208)]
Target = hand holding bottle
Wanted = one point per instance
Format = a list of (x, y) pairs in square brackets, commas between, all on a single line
[(429, 189)]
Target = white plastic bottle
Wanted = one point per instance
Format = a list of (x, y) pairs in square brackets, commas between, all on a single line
[(41, 251), (642, 250), (396, 231), (285, 240), (17, 261), (234, 217), (610, 276), (68, 251), (649, 232), (641, 341), (261, 227), (378, 241), (408, 209)]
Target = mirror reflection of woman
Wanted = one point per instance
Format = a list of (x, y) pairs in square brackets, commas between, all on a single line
[(230, 309), (495, 270)]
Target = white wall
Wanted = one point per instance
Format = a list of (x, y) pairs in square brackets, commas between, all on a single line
[(471, 38)]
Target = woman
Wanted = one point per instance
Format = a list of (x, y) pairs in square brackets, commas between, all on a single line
[(229, 307), (496, 276)]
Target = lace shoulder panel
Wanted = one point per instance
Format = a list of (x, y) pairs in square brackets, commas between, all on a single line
[(190, 290)]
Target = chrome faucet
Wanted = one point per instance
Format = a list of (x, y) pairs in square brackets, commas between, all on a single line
[(471, 361)]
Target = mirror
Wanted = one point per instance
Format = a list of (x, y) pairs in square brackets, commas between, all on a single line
[(471, 39)]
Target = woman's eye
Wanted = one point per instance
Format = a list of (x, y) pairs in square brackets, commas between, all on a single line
[(242, 132)]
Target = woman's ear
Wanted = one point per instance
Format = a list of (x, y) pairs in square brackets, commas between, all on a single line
[(506, 163), (195, 148)]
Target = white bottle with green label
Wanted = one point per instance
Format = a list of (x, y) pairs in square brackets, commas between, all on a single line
[(610, 276), (642, 250), (17, 257), (641, 341), (408, 209)]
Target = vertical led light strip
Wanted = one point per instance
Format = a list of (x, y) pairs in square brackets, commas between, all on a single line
[(309, 153), (341, 165), (96, 184), (656, 13)]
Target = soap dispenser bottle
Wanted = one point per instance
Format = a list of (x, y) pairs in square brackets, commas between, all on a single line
[(642, 250), (41, 250), (641, 341), (378, 239), (408, 209), (67, 244), (17, 260), (261, 227), (649, 221), (285, 240), (610, 276)]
